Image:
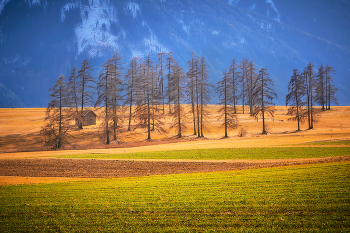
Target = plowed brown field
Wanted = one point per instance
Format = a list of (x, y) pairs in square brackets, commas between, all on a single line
[(92, 168)]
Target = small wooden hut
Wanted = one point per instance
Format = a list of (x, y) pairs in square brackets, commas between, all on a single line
[(89, 118)]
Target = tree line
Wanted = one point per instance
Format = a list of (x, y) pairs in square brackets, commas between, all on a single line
[(145, 92)]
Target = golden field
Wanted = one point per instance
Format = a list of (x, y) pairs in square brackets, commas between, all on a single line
[(20, 137)]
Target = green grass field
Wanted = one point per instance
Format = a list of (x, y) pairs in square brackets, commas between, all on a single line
[(335, 142), (231, 153), (296, 198)]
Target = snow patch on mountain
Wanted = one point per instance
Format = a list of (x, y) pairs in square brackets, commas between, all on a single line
[(134, 9), (274, 8), (34, 2), (2, 4), (233, 1), (93, 34), (252, 7), (153, 46), (68, 7)]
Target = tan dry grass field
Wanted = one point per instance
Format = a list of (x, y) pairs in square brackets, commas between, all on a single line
[(19, 133)]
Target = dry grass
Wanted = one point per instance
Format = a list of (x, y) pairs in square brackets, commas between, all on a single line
[(14, 180), (19, 132)]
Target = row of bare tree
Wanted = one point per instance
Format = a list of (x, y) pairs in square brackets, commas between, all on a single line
[(147, 93)]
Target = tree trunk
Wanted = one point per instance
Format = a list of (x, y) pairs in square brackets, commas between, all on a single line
[(262, 105), (225, 108), (149, 119)]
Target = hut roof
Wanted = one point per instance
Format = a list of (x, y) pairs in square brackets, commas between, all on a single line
[(86, 112)]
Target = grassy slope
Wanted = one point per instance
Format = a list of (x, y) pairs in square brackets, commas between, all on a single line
[(225, 154), (308, 198)]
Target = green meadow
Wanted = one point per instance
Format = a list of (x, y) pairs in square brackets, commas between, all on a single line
[(229, 153), (305, 198)]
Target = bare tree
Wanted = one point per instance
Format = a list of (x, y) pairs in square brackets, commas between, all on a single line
[(204, 91), (176, 85), (234, 76), (74, 95), (331, 90), (320, 88), (296, 98), (57, 116), (132, 80), (251, 77), (169, 64), (191, 87), (161, 79), (145, 97), (85, 88), (264, 95), (310, 83), (109, 94), (227, 110), (243, 80), (116, 86)]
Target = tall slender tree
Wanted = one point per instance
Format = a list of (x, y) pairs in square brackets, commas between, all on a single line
[(161, 79), (74, 95), (205, 93), (191, 87), (310, 93), (145, 96), (227, 111), (85, 88), (264, 96), (109, 94), (296, 98), (320, 97), (58, 116), (169, 66), (116, 85), (131, 80), (176, 85), (331, 90), (251, 77), (243, 80), (234, 80)]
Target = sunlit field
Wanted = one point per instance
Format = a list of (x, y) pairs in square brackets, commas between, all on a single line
[(297, 198), (20, 129)]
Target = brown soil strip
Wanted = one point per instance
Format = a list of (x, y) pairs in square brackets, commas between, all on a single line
[(92, 168)]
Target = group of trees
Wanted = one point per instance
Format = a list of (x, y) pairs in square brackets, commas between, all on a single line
[(306, 89), (147, 92), (242, 83)]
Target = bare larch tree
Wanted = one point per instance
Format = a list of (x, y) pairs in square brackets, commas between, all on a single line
[(296, 98), (58, 116), (227, 111), (145, 99), (234, 80), (176, 85), (205, 93), (250, 86), (264, 94), (131, 82), (161, 79), (243, 80), (310, 83), (85, 88), (74, 95), (331, 90), (191, 76)]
